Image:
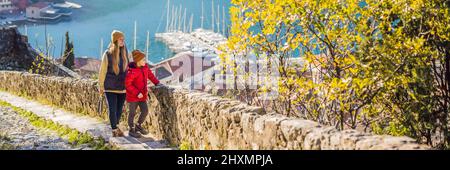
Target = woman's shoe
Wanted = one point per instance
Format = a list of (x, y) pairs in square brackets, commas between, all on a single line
[(119, 133), (134, 133), (141, 129), (114, 133)]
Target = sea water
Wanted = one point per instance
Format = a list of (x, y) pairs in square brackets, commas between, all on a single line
[(97, 18)]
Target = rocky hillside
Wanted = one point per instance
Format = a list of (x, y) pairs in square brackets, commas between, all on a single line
[(17, 54)]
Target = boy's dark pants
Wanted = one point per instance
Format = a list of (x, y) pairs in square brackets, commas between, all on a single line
[(133, 107)]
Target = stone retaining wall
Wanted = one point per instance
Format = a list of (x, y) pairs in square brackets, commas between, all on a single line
[(203, 120)]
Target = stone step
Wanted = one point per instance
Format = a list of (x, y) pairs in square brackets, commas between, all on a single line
[(95, 127), (147, 142)]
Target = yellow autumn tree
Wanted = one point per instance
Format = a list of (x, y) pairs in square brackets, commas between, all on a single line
[(374, 65)]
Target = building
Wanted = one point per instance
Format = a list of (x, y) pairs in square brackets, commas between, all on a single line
[(47, 12), (6, 5), (87, 67), (181, 67), (20, 4), (34, 11)]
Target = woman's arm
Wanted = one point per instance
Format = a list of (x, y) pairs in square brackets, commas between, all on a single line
[(102, 72)]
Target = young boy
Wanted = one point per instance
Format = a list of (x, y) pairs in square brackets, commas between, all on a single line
[(136, 88)]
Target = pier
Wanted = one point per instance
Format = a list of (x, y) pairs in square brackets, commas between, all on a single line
[(195, 48), (201, 42)]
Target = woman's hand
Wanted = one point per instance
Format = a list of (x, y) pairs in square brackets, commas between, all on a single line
[(140, 95)]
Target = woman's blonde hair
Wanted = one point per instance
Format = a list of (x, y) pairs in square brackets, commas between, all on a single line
[(114, 50)]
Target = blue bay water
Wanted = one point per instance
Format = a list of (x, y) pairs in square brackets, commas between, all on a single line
[(98, 18)]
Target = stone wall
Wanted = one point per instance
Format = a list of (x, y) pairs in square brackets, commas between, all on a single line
[(78, 95), (203, 120), (17, 54)]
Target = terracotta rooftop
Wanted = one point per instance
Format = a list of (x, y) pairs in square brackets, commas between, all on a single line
[(87, 64), (177, 65)]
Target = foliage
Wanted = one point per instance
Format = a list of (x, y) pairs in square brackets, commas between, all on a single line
[(185, 146), (68, 58), (40, 65), (383, 66)]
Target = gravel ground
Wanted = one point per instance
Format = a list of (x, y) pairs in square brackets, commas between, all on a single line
[(17, 133)]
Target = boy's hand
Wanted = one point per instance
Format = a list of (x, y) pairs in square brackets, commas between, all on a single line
[(140, 95)]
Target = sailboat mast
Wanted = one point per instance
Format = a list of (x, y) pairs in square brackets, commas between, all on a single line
[(190, 22), (167, 16), (176, 19), (212, 16), (218, 18), (223, 20), (147, 45), (179, 18), (134, 37), (184, 20), (101, 48), (202, 16), (172, 19)]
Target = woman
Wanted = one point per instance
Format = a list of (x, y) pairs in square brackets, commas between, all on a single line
[(137, 91), (112, 79)]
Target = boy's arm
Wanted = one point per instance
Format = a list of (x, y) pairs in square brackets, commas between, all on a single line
[(129, 84), (152, 77)]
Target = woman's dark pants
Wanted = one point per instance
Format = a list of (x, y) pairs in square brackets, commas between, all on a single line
[(115, 107)]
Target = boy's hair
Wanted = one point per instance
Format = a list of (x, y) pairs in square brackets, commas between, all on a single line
[(138, 55)]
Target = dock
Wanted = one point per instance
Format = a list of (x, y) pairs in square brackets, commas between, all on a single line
[(68, 5), (195, 48), (201, 42)]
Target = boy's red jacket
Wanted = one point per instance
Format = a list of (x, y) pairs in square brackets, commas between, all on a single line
[(136, 82)]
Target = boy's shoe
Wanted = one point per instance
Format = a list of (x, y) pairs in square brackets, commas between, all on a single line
[(134, 133), (141, 129)]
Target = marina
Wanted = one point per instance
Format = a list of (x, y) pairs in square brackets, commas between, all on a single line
[(201, 42), (180, 37), (196, 51)]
